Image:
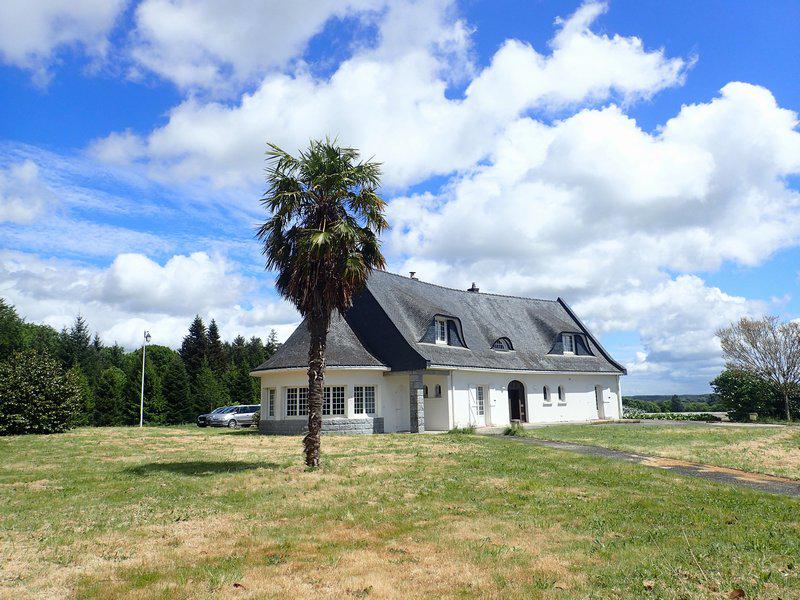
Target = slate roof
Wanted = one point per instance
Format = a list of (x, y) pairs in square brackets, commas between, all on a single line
[(343, 349), (389, 319), (532, 326)]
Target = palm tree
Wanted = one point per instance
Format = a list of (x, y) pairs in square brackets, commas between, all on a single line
[(322, 239)]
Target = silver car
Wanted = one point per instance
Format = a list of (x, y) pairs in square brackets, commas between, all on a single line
[(234, 416)]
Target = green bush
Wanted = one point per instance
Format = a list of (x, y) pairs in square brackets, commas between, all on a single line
[(256, 417), (514, 429), (36, 396), (629, 413), (742, 393)]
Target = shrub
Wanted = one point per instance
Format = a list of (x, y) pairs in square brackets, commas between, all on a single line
[(256, 417), (635, 414), (36, 396), (743, 393), (514, 429), (463, 430)]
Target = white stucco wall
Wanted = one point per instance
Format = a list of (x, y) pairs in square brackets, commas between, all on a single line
[(580, 403), (457, 405)]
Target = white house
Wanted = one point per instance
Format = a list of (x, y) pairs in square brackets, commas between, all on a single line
[(413, 356)]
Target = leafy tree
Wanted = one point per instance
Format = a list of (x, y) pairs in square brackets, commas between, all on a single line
[(42, 338), (766, 348), (322, 239), (742, 393), (217, 354), (11, 330), (208, 392), (194, 349), (175, 386), (109, 397), (675, 404), (35, 395)]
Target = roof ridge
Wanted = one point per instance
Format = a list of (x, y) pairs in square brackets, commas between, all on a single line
[(444, 287)]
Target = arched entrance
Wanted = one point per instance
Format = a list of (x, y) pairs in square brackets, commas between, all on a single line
[(517, 408)]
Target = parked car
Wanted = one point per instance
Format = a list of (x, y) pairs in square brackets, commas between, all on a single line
[(234, 416), (202, 420)]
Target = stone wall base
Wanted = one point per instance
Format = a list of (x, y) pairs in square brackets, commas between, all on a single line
[(335, 426)]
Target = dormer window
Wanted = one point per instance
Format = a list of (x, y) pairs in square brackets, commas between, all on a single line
[(502, 344), (568, 340), (441, 331)]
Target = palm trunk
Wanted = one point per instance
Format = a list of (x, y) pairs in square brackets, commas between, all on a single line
[(786, 405), (318, 330)]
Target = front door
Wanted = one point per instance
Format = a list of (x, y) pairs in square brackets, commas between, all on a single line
[(598, 395), (516, 402)]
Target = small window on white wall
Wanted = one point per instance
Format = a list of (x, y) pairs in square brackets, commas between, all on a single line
[(546, 394), (437, 391), (480, 400), (562, 397), (364, 399), (425, 391), (569, 343), (271, 402)]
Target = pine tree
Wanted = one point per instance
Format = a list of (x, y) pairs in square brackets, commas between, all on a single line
[(154, 407), (175, 387), (256, 353), (238, 354), (110, 397), (207, 392), (217, 356), (85, 413), (272, 343), (194, 349), (241, 386)]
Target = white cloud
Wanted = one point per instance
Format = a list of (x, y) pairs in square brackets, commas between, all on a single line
[(391, 100), (31, 32), (23, 196), (135, 293), (217, 45)]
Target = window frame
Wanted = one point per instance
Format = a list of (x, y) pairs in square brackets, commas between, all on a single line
[(480, 400), (441, 327), (437, 391), (571, 338), (547, 397), (562, 395), (327, 398), (300, 399), (365, 400)]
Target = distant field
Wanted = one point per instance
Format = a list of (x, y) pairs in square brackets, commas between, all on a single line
[(188, 513), (764, 450)]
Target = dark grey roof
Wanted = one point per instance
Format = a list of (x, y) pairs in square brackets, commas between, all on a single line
[(343, 349), (531, 325), (390, 317)]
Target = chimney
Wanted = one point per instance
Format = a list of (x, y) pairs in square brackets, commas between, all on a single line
[(475, 289), (412, 274)]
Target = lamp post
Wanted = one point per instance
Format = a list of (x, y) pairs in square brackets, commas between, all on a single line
[(141, 404)]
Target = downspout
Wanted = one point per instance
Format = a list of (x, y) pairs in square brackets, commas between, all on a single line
[(451, 411), (619, 397)]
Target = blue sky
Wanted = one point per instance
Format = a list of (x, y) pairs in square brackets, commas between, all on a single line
[(640, 159)]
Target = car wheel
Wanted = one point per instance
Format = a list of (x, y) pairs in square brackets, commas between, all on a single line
[(233, 424)]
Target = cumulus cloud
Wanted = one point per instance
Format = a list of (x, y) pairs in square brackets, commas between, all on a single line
[(31, 32), (217, 45), (391, 100), (23, 195), (135, 293)]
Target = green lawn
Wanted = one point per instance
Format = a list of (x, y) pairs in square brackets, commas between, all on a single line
[(772, 450), (188, 513)]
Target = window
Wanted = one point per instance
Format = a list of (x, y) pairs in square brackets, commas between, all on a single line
[(562, 397), (437, 391), (569, 343), (441, 331), (271, 403), (333, 400), (297, 402), (424, 391), (502, 345), (479, 393), (546, 394), (364, 399)]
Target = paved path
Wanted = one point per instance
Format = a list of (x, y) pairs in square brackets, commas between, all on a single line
[(756, 481)]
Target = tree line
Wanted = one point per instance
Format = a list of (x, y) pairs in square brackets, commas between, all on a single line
[(105, 381)]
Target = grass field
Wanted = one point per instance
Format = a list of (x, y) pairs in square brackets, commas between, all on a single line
[(772, 450), (188, 513)]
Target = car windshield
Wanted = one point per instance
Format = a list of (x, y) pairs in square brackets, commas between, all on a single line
[(219, 410)]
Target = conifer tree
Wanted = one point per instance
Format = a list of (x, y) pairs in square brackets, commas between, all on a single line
[(217, 355), (175, 388), (110, 397), (194, 349), (11, 330)]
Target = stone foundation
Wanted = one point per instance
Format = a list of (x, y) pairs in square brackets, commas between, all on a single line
[(335, 426)]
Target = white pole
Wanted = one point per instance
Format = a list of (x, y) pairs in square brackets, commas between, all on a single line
[(141, 403)]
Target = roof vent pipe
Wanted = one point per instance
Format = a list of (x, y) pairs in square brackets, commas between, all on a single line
[(412, 274), (474, 288)]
